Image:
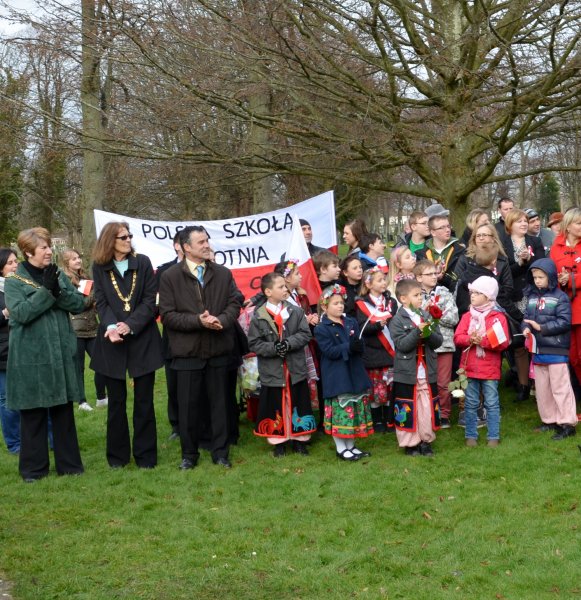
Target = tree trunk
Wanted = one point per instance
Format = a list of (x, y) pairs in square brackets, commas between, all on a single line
[(93, 185)]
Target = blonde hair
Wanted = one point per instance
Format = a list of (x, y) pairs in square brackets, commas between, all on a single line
[(66, 258), (571, 216), (474, 216), (472, 248)]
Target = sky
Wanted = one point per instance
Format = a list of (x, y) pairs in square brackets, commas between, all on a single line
[(29, 6)]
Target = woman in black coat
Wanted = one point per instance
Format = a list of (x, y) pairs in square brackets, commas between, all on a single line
[(522, 250), (485, 257), (128, 342)]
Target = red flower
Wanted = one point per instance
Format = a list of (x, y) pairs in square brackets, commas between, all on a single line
[(435, 311)]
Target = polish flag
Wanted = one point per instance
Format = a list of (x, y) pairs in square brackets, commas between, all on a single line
[(496, 335), (85, 286), (531, 344), (298, 250)]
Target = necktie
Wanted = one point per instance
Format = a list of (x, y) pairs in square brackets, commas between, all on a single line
[(200, 275)]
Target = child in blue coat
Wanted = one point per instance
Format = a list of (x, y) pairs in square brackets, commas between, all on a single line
[(345, 381), (547, 319)]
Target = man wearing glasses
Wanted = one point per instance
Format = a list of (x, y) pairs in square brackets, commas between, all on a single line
[(443, 250)]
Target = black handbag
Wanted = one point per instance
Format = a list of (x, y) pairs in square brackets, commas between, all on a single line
[(517, 337)]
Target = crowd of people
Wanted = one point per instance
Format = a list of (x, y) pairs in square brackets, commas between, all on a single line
[(379, 352)]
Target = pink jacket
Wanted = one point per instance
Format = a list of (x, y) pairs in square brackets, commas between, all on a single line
[(488, 366)]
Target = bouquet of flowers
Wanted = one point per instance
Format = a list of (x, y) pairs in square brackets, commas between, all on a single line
[(434, 315)]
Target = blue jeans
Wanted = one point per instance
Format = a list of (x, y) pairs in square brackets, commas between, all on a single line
[(489, 389), (9, 419)]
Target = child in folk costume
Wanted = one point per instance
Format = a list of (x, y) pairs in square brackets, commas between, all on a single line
[(297, 296), (483, 331), (437, 295), (415, 337), (374, 309), (350, 279), (401, 266), (345, 381), (278, 334), (547, 326)]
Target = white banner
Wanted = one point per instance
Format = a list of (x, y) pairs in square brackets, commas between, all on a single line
[(239, 243)]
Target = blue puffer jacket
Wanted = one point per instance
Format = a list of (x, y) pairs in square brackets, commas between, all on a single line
[(551, 309)]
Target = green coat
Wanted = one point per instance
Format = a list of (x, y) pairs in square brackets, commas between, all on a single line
[(41, 369)]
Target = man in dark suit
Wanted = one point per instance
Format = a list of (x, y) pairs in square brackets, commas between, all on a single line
[(170, 375), (199, 304)]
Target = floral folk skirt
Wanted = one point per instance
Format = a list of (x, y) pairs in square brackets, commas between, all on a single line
[(348, 416)]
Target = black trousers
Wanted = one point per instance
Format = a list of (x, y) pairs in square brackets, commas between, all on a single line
[(171, 378), (34, 455), (144, 428), (87, 345), (193, 386)]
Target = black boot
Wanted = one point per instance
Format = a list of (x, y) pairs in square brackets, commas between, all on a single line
[(377, 416), (300, 448), (564, 431), (388, 417), (523, 393)]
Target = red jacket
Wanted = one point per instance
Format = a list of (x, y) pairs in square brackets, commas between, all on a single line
[(570, 258), (488, 366)]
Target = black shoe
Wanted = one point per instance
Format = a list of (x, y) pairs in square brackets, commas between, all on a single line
[(352, 458), (300, 448), (117, 466), (187, 464), (174, 436), (146, 467), (33, 479), (412, 451), (523, 393), (543, 427), (426, 449), (279, 450), (563, 432), (223, 462), (444, 423), (360, 453)]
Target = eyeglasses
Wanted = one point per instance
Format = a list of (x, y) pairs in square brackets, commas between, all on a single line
[(430, 274), (420, 223), (481, 236), (124, 238), (442, 227)]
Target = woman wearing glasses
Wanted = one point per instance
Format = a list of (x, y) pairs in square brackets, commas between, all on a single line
[(485, 256), (128, 342)]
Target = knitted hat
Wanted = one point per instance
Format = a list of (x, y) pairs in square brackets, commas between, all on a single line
[(531, 213), (436, 210), (555, 217), (485, 285)]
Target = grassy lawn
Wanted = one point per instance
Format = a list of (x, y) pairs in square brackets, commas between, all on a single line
[(470, 523)]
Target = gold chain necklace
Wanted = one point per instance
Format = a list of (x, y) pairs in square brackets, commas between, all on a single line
[(125, 299), (24, 280)]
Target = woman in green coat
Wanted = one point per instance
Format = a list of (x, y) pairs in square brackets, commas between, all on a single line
[(42, 378)]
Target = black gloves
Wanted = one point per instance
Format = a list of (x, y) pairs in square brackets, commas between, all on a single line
[(355, 345), (50, 279), (282, 348)]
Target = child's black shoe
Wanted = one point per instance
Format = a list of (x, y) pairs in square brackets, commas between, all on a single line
[(412, 451), (426, 449), (279, 450), (563, 432)]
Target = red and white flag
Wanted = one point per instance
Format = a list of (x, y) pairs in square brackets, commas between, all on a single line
[(298, 250), (531, 343), (496, 335), (85, 287)]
